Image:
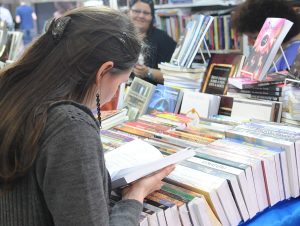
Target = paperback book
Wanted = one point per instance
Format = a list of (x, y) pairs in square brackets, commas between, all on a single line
[(266, 47), (137, 159)]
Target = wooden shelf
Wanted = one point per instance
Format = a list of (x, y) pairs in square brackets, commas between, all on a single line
[(200, 3), (224, 51)]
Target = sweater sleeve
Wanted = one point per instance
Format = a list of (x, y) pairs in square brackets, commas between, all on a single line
[(70, 171)]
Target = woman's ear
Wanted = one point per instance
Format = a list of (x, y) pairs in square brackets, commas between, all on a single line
[(103, 71)]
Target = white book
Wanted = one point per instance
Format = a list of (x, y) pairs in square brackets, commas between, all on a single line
[(184, 215), (287, 146), (204, 28), (203, 215), (218, 190), (143, 221), (258, 176), (249, 171), (278, 164), (199, 23), (235, 169), (267, 161), (159, 213), (193, 213), (195, 105), (232, 179), (190, 30), (151, 217), (137, 159), (253, 109)]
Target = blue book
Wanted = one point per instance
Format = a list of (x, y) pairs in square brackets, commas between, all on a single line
[(165, 99)]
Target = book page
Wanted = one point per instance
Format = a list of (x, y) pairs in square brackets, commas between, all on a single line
[(130, 155)]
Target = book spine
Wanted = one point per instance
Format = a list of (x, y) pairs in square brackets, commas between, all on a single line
[(264, 97)]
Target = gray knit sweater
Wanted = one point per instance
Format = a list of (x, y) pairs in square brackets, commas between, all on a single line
[(69, 184)]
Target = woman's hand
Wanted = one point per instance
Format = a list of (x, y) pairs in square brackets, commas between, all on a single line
[(146, 185), (140, 70)]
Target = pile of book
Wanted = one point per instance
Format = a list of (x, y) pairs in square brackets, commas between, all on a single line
[(184, 78), (268, 89), (291, 103), (238, 171)]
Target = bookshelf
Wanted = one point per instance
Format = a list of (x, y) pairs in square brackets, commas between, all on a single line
[(221, 38), (198, 4)]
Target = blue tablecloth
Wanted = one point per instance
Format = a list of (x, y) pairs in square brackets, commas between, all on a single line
[(285, 213)]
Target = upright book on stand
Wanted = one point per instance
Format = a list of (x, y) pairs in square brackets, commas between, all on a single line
[(138, 97), (264, 51), (266, 47), (186, 50)]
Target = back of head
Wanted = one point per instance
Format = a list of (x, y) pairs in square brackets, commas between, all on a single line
[(61, 65), (251, 15)]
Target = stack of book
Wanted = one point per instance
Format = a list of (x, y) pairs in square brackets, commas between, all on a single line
[(237, 172), (268, 89), (291, 103), (112, 118), (184, 78)]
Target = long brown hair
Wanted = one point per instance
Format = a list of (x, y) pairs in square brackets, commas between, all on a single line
[(52, 71)]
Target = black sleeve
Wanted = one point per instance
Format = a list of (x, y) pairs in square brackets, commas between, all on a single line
[(166, 46)]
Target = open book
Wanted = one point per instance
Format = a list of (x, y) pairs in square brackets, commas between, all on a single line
[(137, 159)]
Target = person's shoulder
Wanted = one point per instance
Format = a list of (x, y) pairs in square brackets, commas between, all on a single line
[(64, 113), (161, 37), (159, 33)]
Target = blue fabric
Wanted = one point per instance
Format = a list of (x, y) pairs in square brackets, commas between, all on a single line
[(25, 13), (285, 213), (290, 52)]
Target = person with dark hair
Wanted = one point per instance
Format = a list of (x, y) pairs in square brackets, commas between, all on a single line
[(160, 46), (250, 16), (52, 169)]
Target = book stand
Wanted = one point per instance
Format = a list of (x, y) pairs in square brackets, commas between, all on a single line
[(207, 50), (285, 61), (295, 83)]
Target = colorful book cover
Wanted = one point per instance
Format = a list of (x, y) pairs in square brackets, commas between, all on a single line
[(265, 47), (165, 98), (245, 82), (173, 117)]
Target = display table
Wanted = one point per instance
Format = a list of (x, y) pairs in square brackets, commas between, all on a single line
[(285, 213)]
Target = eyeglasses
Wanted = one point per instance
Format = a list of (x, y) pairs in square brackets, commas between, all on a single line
[(138, 11)]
